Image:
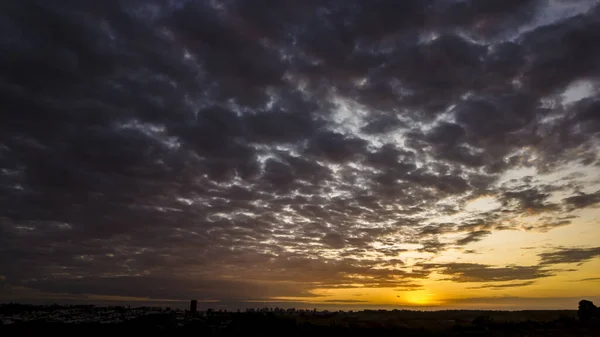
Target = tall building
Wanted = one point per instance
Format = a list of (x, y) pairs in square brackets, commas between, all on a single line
[(193, 306)]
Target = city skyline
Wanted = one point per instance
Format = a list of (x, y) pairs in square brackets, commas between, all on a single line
[(418, 154)]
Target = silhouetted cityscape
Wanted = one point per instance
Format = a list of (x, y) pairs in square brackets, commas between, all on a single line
[(585, 321)]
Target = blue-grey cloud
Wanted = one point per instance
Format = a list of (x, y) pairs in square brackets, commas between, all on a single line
[(180, 144)]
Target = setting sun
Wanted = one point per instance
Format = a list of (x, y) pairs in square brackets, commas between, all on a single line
[(420, 298)]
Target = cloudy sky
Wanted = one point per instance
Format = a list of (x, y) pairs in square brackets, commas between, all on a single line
[(328, 153)]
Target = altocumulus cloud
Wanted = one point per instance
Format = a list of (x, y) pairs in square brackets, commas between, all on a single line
[(253, 149)]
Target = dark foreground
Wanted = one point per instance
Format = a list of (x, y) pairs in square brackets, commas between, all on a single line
[(28, 320)]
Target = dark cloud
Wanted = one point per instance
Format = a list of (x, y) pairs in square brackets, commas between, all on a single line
[(503, 286), (548, 223), (164, 288), (554, 44), (528, 201), (582, 200), (234, 150), (569, 255), (344, 301), (432, 246), (473, 237), (335, 147), (475, 272)]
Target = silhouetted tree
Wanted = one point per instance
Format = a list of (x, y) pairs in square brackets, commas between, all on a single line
[(587, 311)]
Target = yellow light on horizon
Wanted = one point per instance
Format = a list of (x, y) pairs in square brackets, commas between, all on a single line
[(420, 297)]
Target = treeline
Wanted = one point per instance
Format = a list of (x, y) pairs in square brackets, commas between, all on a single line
[(278, 325)]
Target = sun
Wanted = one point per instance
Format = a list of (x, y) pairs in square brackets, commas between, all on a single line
[(419, 298)]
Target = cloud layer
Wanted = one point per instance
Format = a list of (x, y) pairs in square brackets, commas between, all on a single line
[(241, 150)]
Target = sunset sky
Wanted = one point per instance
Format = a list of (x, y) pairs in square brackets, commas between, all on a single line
[(347, 154)]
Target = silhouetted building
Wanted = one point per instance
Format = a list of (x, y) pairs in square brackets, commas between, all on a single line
[(193, 306)]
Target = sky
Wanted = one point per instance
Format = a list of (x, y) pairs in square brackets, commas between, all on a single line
[(426, 154)]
